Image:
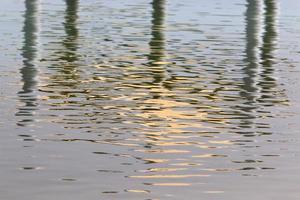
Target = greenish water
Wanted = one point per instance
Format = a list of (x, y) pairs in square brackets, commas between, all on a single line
[(144, 99)]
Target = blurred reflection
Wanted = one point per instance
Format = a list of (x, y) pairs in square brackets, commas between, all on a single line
[(259, 85), (71, 30), (249, 89), (29, 71), (253, 30), (156, 64), (157, 43), (67, 57), (164, 114), (270, 35), (260, 51)]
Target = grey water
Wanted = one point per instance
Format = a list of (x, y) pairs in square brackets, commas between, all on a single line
[(149, 99)]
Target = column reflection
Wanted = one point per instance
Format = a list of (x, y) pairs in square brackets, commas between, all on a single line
[(71, 30), (68, 56), (249, 89), (259, 85), (253, 29), (157, 43), (29, 70), (270, 37)]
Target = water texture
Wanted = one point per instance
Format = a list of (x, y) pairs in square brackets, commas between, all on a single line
[(151, 100)]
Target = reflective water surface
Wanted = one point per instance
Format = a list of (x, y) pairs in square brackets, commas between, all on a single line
[(149, 99)]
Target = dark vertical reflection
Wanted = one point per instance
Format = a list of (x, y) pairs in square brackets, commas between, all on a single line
[(157, 51), (29, 53), (260, 57), (71, 30), (267, 51), (249, 88), (68, 57), (253, 15), (63, 82), (261, 36), (157, 43)]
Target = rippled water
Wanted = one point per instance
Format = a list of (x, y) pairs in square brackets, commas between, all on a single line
[(142, 99)]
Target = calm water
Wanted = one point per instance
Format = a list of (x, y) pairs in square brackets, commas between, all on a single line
[(151, 100)]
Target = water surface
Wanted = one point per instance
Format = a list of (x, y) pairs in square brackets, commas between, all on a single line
[(149, 99)]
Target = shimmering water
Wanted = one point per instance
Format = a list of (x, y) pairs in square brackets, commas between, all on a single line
[(142, 99)]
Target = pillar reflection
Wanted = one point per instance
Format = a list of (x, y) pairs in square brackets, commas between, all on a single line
[(157, 43), (68, 56), (259, 85), (29, 70), (253, 29), (71, 30), (249, 88), (261, 39), (269, 38)]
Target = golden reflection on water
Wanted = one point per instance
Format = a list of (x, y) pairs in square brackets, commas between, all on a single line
[(171, 184), (169, 119), (170, 176), (163, 169), (138, 191)]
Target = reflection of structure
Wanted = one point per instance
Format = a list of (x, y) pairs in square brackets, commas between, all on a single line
[(269, 44), (164, 114), (71, 30), (259, 51), (29, 70), (67, 56), (249, 87), (253, 30), (157, 43), (259, 85), (64, 80)]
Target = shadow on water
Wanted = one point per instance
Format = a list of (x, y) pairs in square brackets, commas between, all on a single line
[(29, 71)]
